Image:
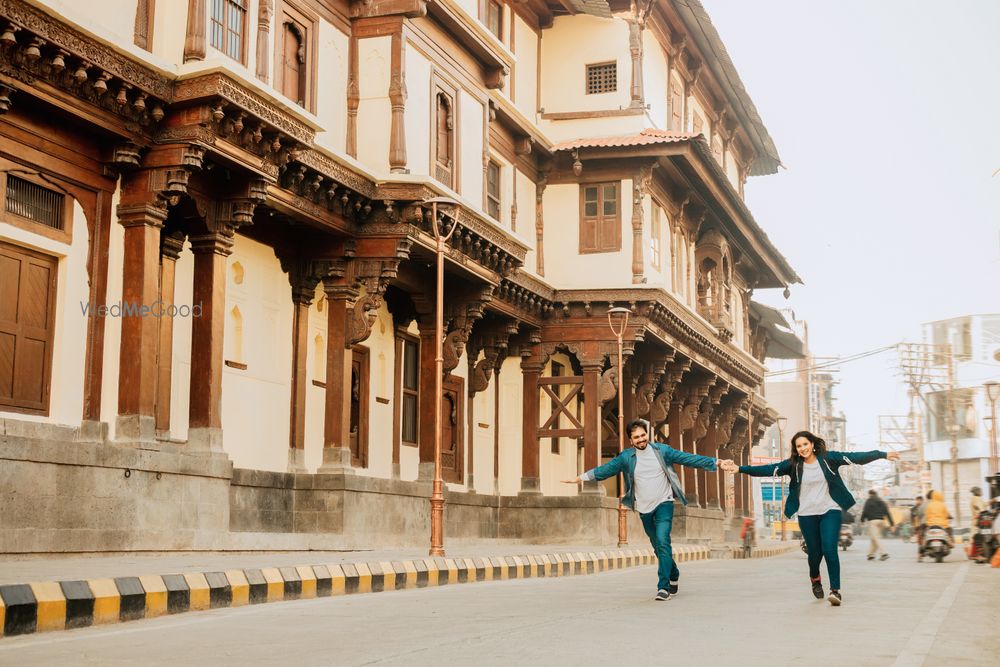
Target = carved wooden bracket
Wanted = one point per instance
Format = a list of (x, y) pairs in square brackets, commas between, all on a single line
[(649, 379)]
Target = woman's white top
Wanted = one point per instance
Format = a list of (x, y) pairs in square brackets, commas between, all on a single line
[(814, 493)]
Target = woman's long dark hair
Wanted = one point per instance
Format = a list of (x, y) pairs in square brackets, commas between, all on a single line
[(819, 445)]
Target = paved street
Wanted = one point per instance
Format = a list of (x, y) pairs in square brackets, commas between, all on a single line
[(759, 612)]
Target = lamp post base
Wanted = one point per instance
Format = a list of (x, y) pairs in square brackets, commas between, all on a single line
[(622, 526), (437, 520)]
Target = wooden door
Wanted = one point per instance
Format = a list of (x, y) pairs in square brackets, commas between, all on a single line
[(359, 408), (452, 452)]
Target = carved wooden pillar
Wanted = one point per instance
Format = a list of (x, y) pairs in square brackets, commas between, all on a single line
[(635, 49), (539, 228), (194, 40), (397, 98), (264, 12), (531, 369), (170, 249), (640, 186), (591, 420), (141, 212), (353, 97), (340, 294)]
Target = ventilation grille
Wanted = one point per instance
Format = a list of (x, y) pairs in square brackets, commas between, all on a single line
[(602, 78), (34, 202)]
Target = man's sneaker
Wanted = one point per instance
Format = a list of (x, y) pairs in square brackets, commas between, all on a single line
[(817, 585), (871, 556), (834, 598), (662, 595), (884, 557), (673, 588)]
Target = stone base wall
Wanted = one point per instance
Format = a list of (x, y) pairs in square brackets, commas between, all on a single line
[(65, 490)]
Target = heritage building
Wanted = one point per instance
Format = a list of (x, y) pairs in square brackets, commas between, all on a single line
[(217, 267)]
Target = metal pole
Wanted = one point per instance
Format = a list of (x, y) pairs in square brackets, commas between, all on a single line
[(992, 393), (781, 450), (619, 333), (437, 492)]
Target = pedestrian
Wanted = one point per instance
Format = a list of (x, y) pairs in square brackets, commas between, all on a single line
[(651, 487), (917, 521), (877, 514), (819, 495), (976, 505)]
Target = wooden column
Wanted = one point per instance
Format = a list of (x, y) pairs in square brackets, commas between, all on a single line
[(397, 99), (170, 250), (531, 370), (640, 187), (337, 416), (635, 49), (97, 271), (428, 367), (194, 40), (142, 216), (264, 12), (353, 97), (591, 421), (539, 228)]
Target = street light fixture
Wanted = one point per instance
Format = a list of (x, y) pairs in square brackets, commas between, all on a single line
[(993, 393), (781, 421), (618, 320), (449, 208)]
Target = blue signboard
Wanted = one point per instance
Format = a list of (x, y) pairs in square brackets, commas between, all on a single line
[(770, 493)]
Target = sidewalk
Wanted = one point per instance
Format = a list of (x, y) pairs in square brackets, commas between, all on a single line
[(54, 593)]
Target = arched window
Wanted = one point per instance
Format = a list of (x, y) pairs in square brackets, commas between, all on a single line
[(293, 62)]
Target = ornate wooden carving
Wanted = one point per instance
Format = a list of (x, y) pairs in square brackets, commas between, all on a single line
[(397, 99), (659, 411), (194, 40), (635, 49), (353, 97), (640, 188), (648, 380), (539, 228), (264, 12), (464, 314)]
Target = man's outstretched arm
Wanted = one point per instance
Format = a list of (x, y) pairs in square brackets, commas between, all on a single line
[(609, 469)]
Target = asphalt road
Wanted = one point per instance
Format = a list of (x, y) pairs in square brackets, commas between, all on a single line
[(757, 612)]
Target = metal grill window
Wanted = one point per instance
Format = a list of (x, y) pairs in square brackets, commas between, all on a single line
[(602, 78), (34, 202)]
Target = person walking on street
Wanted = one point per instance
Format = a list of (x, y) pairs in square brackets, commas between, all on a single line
[(976, 505), (651, 487), (917, 521), (819, 496), (877, 514)]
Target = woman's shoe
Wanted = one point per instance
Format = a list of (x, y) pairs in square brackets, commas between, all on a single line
[(834, 598), (817, 586)]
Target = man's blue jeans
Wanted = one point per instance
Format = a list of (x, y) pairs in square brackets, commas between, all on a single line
[(658, 524)]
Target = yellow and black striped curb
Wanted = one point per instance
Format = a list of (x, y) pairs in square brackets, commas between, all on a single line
[(58, 605)]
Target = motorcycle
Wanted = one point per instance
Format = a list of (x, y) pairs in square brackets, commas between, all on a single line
[(986, 540), (846, 537), (937, 543)]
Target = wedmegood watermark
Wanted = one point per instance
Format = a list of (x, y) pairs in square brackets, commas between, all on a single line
[(156, 309)]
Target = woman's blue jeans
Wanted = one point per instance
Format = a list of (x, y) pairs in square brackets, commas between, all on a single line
[(822, 535), (657, 525)]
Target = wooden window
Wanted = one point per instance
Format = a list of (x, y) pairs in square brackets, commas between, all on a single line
[(494, 18), (294, 55), (444, 138), (32, 206), (145, 10), (676, 103), (600, 217), (493, 190), (602, 78), (655, 237), (27, 328), (409, 390), (228, 27)]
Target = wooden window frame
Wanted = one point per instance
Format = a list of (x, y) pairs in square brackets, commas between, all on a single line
[(497, 198), (401, 390), (655, 235), (289, 12), (361, 356), (226, 4), (145, 14), (601, 245), (46, 403), (586, 77), (64, 235), (440, 87), (484, 13)]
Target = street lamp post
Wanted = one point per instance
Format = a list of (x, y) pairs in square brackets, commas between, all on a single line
[(993, 393), (620, 317), (437, 490), (782, 421), (953, 430)]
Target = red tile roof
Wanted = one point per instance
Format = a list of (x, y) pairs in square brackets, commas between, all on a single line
[(647, 137)]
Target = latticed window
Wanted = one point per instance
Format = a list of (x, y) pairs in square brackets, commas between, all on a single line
[(600, 227), (35, 203), (493, 190), (602, 78), (228, 27)]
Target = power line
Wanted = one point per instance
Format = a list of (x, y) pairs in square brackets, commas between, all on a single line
[(836, 361)]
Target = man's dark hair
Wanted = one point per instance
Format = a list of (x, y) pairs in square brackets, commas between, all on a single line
[(634, 424)]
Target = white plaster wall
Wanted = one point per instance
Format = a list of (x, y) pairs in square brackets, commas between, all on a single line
[(483, 429), (169, 29), (654, 84), (70, 330), (569, 46), (315, 372), (525, 82), (256, 401), (331, 87), (509, 423), (471, 7), (374, 110), (381, 355), (418, 111), (470, 155), (113, 325), (113, 20), (180, 374), (565, 267)]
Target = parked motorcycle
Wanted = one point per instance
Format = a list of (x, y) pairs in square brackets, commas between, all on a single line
[(846, 537), (986, 540), (937, 543)]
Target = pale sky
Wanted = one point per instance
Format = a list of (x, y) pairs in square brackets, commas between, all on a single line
[(886, 115)]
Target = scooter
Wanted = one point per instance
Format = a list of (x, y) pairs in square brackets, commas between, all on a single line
[(846, 537), (937, 543)]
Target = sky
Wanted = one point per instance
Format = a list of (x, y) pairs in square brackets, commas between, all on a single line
[(886, 115)]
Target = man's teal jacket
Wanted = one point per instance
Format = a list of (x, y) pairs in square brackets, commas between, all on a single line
[(668, 456), (830, 464)]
